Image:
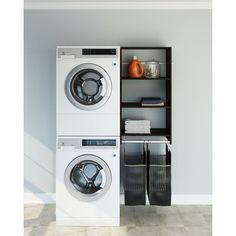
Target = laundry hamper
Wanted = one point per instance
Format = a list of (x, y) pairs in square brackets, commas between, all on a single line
[(135, 179), (159, 179)]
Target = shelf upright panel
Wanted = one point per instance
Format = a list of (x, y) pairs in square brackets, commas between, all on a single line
[(121, 124), (169, 90)]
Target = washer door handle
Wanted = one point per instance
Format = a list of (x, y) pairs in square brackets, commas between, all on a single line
[(104, 87)]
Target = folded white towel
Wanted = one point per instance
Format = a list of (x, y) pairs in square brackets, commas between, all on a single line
[(138, 122), (137, 126), (137, 131)]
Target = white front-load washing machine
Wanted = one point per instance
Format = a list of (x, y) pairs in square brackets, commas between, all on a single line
[(88, 181), (88, 91)]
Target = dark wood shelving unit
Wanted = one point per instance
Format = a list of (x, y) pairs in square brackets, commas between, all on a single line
[(162, 54), (160, 117)]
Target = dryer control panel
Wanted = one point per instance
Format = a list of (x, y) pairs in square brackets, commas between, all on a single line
[(99, 51), (68, 53), (71, 143)]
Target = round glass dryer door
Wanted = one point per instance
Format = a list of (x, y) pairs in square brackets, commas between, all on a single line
[(88, 86), (87, 178)]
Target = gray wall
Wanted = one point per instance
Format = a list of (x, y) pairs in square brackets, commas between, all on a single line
[(188, 32), (114, 0)]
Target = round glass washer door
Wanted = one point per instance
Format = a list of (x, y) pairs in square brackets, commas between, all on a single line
[(88, 86), (87, 177)]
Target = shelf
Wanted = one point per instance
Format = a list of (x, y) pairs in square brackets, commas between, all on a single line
[(143, 78), (138, 105), (154, 132), (146, 48)]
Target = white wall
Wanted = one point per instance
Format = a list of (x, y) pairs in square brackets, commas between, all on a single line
[(188, 32)]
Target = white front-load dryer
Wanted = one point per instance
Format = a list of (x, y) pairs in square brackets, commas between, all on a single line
[(88, 181), (88, 91)]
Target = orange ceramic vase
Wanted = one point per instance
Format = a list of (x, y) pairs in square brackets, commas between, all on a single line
[(135, 69)]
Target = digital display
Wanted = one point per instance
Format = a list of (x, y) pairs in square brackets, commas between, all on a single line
[(98, 142), (99, 51)]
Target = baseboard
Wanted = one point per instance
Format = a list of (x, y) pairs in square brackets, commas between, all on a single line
[(193, 199), (177, 199), (187, 199)]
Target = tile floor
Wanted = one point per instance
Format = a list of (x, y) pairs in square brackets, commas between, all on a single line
[(176, 220)]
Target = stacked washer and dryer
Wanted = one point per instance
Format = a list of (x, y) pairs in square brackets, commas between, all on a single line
[(88, 129)]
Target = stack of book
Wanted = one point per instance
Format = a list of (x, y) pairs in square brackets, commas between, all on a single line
[(152, 101)]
